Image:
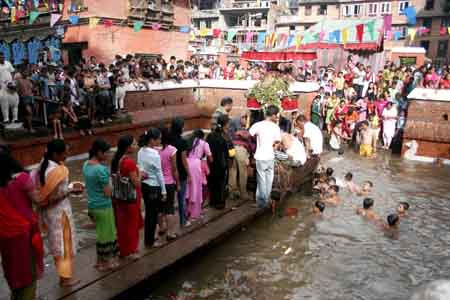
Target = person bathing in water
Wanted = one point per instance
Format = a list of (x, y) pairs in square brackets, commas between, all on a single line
[(318, 208), (349, 184), (402, 209), (332, 196), (367, 210), (366, 188)]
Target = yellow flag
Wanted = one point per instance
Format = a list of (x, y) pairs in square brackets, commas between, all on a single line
[(204, 32), (344, 34), (298, 41), (274, 39), (192, 36), (448, 30), (93, 22), (412, 33), (13, 14)]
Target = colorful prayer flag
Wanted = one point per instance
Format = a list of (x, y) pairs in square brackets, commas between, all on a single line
[(137, 26), (230, 35), (204, 32), (249, 36), (108, 23), (298, 41), (216, 32), (33, 16), (13, 15), (291, 40), (321, 35), (397, 35), (410, 13), (93, 22), (359, 32), (185, 29), (273, 39), (412, 33), (74, 20), (54, 18), (387, 23), (156, 26), (448, 29), (335, 36), (442, 30), (344, 33), (371, 29), (261, 39)]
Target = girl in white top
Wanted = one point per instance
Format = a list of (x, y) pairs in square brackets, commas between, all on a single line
[(390, 115)]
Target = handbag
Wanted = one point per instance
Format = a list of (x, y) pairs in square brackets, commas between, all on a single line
[(123, 188)]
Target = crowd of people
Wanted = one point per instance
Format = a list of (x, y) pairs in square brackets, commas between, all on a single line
[(79, 96), (327, 188), (164, 168)]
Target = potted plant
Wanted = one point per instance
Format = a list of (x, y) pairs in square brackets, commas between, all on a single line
[(252, 102), (271, 91)]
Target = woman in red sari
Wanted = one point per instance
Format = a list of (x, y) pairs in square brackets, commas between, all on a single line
[(128, 215), (21, 244)]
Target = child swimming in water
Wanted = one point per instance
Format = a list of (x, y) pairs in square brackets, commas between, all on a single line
[(367, 210), (366, 188), (331, 197), (318, 208), (402, 209), (349, 184)]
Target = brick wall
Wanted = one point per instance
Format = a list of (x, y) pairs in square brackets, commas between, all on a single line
[(431, 111), (431, 149)]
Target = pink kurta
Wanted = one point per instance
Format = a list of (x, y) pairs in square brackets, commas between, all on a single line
[(195, 188)]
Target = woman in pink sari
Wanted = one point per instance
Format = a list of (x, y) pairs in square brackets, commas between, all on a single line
[(198, 149)]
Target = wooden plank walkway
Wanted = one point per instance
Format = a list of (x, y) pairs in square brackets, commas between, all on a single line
[(107, 285)]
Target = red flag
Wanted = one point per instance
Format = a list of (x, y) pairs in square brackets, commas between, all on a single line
[(108, 23), (216, 32), (443, 30), (359, 32)]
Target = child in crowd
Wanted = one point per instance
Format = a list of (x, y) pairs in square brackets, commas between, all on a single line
[(366, 137), (349, 184), (367, 210), (402, 209), (318, 208), (331, 197), (366, 188)]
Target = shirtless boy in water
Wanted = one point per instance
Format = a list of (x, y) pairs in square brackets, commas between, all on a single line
[(402, 209), (318, 208), (367, 210), (349, 184), (331, 196), (366, 188)]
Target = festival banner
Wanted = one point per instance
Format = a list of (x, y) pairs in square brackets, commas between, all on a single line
[(298, 41), (359, 32), (249, 36), (74, 20), (322, 35), (291, 40), (93, 22), (261, 39), (273, 39), (137, 26), (335, 36), (33, 16), (54, 18)]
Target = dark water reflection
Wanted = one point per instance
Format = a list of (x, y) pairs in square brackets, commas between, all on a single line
[(338, 257)]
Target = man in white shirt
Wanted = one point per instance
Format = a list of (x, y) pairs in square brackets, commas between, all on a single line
[(312, 135), (358, 80), (6, 70), (268, 136)]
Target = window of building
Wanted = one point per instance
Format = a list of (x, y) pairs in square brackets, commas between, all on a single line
[(206, 4), (442, 48), (427, 23), (208, 23), (402, 5), (322, 10), (385, 8), (358, 9), (445, 22), (373, 9), (402, 31), (308, 10), (197, 24), (348, 10), (307, 27), (425, 44), (429, 4)]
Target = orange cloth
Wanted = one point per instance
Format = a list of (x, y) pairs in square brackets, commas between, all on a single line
[(54, 178)]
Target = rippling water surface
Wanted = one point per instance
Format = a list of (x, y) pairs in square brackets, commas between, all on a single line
[(340, 256)]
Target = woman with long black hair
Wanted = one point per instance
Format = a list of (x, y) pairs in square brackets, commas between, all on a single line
[(21, 246), (153, 185), (219, 165), (128, 214), (99, 191), (52, 178)]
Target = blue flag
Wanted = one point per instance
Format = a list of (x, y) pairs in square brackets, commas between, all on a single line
[(335, 36), (74, 20), (185, 29), (261, 40), (410, 13)]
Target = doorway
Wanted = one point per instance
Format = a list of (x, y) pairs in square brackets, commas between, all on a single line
[(75, 52)]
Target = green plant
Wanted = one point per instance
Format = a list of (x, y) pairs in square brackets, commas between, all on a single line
[(270, 91)]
